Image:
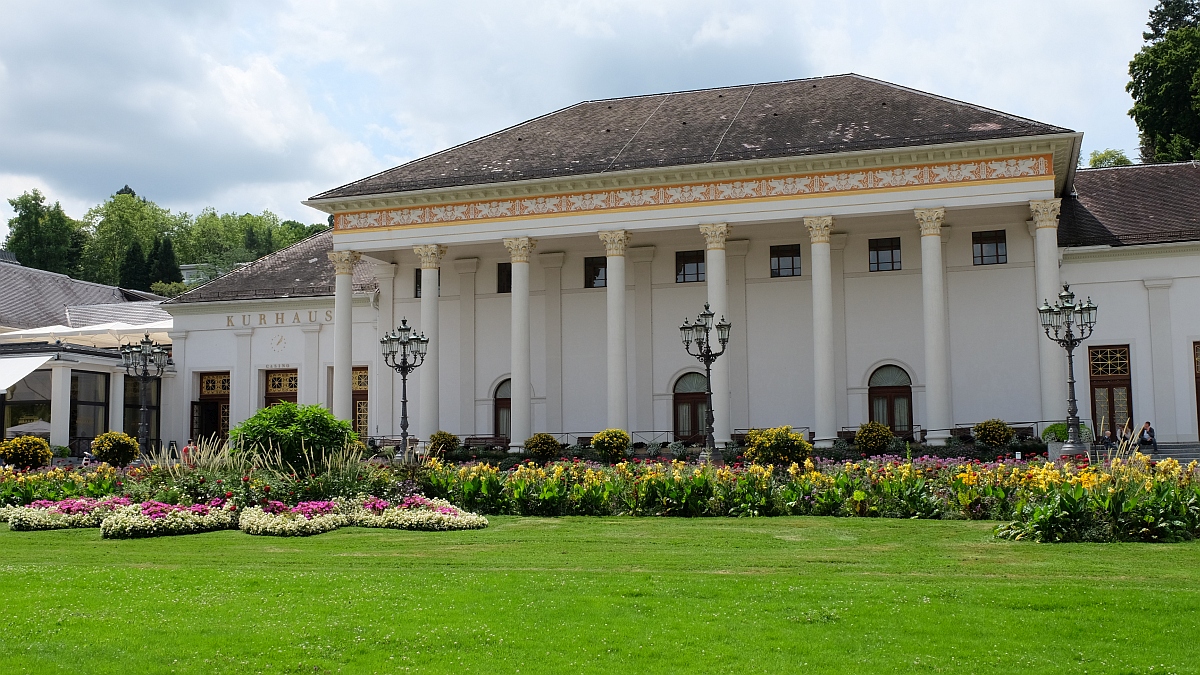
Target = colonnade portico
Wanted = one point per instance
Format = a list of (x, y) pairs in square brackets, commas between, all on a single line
[(934, 413)]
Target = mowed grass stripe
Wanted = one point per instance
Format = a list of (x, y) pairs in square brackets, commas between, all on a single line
[(598, 595)]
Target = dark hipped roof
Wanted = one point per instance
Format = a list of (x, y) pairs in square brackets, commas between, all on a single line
[(298, 271), (1139, 204), (33, 298), (777, 119)]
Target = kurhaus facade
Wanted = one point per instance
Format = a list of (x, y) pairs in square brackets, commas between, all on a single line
[(879, 251)]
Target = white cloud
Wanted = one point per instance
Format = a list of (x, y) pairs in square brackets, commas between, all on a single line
[(250, 106)]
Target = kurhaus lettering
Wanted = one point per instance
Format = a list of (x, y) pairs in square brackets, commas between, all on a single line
[(279, 318)]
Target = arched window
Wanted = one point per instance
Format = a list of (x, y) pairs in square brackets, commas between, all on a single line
[(691, 408), (890, 391), (502, 418)]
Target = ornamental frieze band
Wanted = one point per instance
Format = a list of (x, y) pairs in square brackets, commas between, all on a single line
[(949, 173)]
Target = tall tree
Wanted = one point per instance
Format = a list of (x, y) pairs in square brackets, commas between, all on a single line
[(134, 272), (1100, 159), (1168, 15), (118, 222), (1165, 83), (165, 267), (43, 236)]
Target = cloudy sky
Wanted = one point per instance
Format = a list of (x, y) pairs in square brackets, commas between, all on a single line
[(246, 106)]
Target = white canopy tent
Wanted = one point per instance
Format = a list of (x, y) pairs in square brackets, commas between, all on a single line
[(13, 369), (35, 428), (100, 335)]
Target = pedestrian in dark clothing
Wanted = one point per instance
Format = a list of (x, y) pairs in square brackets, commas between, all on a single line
[(1108, 441), (1146, 437)]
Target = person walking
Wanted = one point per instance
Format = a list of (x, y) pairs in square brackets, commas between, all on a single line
[(1146, 438)]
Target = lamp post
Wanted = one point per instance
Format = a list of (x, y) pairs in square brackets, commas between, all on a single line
[(404, 351), (1069, 322), (700, 334), (146, 361)]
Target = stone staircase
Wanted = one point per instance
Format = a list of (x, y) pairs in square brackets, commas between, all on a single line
[(1182, 452)]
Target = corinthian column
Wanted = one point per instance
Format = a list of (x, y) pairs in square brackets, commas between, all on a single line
[(521, 423), (615, 242), (825, 394), (431, 258), (938, 418), (715, 235), (343, 331), (1051, 362)]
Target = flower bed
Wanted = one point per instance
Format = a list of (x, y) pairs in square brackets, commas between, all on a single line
[(417, 513), (156, 519), (67, 513), (279, 520)]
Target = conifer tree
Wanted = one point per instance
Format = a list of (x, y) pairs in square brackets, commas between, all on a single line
[(165, 267), (134, 273)]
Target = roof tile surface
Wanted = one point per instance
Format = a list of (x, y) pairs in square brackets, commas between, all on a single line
[(778, 119), (1139, 204)]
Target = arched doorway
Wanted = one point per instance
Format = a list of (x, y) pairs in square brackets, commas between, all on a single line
[(502, 417), (691, 408), (890, 393)]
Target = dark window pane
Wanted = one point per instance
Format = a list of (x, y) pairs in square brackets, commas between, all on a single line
[(595, 272), (884, 254), (689, 266), (989, 247), (785, 261), (504, 277)]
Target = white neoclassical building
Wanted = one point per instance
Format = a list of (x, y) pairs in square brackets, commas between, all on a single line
[(879, 251)]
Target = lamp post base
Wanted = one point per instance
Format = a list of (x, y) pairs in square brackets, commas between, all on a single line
[(1070, 449)]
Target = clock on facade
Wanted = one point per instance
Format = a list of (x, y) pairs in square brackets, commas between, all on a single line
[(278, 343)]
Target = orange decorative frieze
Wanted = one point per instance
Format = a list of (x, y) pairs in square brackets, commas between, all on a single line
[(923, 175)]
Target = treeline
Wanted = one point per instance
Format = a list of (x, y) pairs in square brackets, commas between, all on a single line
[(132, 242)]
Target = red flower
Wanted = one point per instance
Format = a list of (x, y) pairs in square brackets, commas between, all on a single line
[(245, 479), (201, 479), (266, 488), (228, 495)]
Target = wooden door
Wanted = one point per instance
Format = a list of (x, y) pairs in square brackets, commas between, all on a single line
[(1112, 388)]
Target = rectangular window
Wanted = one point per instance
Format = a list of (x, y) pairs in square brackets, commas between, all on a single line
[(989, 247), (595, 272), (504, 277), (89, 404), (785, 261), (133, 408), (885, 254), (28, 400), (417, 283), (689, 266)]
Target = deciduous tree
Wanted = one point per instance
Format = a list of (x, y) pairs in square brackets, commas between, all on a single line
[(43, 236), (1165, 83)]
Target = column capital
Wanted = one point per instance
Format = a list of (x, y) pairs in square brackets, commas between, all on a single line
[(930, 221), (615, 242), (343, 261), (715, 235), (384, 270), (818, 228), (520, 248), (1045, 212), (430, 255)]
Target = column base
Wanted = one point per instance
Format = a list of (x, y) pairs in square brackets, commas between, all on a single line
[(936, 437), (824, 443), (515, 449)]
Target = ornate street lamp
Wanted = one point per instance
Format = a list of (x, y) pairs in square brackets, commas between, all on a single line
[(146, 361), (404, 351), (1069, 322), (700, 334)]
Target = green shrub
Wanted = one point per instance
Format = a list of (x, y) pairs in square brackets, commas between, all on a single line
[(993, 433), (779, 446), (1058, 432), (543, 448), (291, 429), (114, 447), (611, 444), (26, 452), (442, 443), (873, 438)]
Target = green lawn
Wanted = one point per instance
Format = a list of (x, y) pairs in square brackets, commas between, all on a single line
[(534, 595)]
